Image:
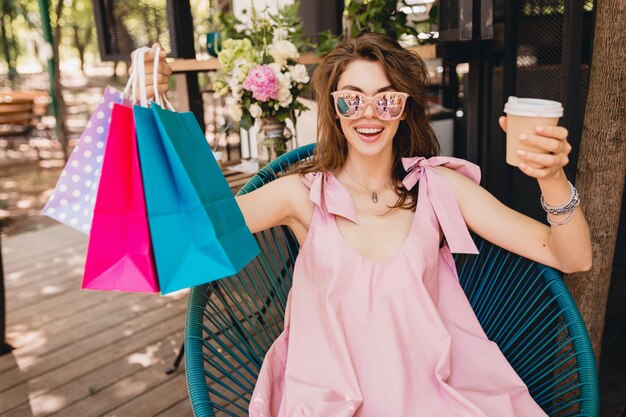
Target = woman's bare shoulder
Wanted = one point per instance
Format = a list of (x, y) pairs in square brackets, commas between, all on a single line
[(292, 188), (462, 186), (301, 206), (299, 193), (279, 202)]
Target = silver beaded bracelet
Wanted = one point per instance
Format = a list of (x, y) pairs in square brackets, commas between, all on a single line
[(566, 208), (574, 200), (565, 220)]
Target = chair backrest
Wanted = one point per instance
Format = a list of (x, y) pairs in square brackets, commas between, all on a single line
[(15, 112), (524, 307)]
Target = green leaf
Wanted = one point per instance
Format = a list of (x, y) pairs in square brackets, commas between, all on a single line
[(246, 121), (326, 42)]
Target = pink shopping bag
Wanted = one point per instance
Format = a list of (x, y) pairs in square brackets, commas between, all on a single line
[(119, 255), (74, 196)]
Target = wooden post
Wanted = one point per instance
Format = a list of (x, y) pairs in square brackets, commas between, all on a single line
[(187, 87)]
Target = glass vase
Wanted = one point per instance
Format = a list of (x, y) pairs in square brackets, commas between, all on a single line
[(274, 139)]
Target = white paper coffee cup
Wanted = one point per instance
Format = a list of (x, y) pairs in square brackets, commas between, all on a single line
[(523, 115)]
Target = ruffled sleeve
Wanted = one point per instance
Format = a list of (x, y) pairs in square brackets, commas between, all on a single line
[(330, 195), (441, 196)]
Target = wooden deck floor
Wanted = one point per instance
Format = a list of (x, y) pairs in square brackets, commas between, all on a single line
[(85, 353)]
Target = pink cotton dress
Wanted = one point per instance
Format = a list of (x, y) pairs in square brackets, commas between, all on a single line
[(396, 338)]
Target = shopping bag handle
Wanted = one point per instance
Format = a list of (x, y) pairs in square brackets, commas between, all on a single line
[(155, 76), (137, 80), (131, 85), (131, 78), (166, 102), (136, 87), (141, 77)]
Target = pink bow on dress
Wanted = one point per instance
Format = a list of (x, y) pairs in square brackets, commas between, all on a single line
[(441, 196), (327, 190)]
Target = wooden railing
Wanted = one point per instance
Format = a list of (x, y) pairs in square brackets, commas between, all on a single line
[(212, 64)]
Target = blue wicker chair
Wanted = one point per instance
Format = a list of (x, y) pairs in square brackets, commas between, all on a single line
[(523, 306)]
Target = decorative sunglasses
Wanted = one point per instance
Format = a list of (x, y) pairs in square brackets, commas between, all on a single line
[(387, 105)]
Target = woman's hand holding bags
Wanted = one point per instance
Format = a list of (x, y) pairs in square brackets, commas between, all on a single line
[(163, 214)]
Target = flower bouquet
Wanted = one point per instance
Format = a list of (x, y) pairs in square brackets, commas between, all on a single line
[(259, 73)]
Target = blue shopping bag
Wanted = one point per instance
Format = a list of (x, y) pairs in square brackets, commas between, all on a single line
[(198, 231)]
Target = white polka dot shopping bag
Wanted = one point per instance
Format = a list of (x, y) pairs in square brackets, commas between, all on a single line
[(74, 196)]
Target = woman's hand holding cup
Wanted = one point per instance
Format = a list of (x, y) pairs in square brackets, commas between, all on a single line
[(534, 142), (163, 71), (544, 153)]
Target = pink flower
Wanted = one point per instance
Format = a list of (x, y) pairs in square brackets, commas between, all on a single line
[(263, 83)]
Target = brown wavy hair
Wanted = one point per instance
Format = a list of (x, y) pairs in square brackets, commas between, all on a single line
[(407, 73)]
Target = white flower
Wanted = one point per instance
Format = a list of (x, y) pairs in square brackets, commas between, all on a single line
[(241, 67), (276, 68), (234, 109), (234, 83), (298, 73), (284, 78), (283, 50), (235, 112), (284, 96), (237, 92), (280, 34), (255, 110), (284, 85)]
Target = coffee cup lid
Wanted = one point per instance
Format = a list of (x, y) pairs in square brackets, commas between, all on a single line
[(533, 107)]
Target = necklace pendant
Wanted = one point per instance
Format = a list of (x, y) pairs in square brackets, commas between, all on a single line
[(375, 197)]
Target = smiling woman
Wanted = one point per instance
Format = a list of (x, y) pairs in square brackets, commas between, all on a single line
[(378, 216), (374, 272)]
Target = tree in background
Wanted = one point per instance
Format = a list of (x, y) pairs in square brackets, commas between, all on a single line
[(79, 21), (60, 102), (10, 47), (11, 21), (602, 163), (20, 29)]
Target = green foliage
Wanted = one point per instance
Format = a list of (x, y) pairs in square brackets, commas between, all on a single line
[(326, 41), (246, 121), (21, 28), (79, 26), (13, 19), (259, 25), (378, 16), (288, 17)]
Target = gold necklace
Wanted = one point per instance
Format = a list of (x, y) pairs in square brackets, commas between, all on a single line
[(374, 193)]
